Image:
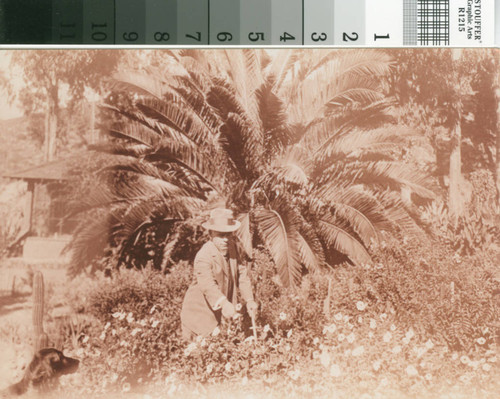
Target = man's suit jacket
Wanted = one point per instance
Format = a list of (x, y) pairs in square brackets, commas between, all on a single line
[(214, 280)]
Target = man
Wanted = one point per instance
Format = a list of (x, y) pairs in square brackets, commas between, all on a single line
[(218, 272)]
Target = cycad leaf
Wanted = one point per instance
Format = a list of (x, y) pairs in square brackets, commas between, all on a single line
[(281, 245), (244, 234), (342, 241)]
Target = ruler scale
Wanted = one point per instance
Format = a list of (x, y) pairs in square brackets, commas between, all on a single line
[(337, 23)]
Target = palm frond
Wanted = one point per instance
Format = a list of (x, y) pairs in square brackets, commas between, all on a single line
[(244, 234), (89, 241), (277, 134), (341, 240), (281, 239), (138, 83)]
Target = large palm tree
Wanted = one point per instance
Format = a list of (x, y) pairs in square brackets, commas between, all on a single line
[(299, 143)]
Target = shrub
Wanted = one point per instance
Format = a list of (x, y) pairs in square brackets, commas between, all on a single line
[(427, 287)]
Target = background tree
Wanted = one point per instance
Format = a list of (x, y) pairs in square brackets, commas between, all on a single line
[(449, 96), (55, 77)]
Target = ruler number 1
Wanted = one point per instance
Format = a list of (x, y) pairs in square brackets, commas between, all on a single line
[(346, 37)]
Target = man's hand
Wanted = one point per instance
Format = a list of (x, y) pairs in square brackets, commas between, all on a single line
[(228, 309), (252, 308)]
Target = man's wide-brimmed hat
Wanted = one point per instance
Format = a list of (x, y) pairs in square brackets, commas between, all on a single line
[(222, 220)]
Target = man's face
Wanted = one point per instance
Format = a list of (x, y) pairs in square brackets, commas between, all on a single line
[(221, 241)]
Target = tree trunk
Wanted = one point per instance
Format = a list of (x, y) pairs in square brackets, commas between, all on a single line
[(50, 144), (455, 199)]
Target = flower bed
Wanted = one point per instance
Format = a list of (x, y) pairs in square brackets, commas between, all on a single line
[(390, 331)]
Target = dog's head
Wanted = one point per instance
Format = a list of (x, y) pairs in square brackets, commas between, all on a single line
[(49, 363)]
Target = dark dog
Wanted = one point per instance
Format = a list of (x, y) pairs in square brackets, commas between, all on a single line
[(43, 372)]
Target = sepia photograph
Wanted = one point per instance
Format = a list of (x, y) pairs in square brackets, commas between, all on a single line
[(250, 223)]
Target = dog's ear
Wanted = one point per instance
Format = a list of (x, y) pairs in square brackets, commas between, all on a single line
[(55, 359)]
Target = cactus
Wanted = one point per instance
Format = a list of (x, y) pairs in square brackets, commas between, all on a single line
[(41, 338)]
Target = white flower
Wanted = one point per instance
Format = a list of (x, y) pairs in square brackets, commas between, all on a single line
[(228, 367), (406, 340), (335, 370), (396, 349), (338, 316), (371, 335), (360, 305), (155, 323), (113, 332), (428, 377), (116, 315), (85, 339), (294, 374), (282, 316), (474, 364), (135, 331), (329, 329), (216, 332), (126, 387), (341, 337), (351, 337), (492, 359), (464, 359), (376, 365), (210, 368), (410, 334), (324, 359), (373, 324), (481, 341), (315, 341), (203, 342), (454, 356), (387, 336), (124, 343), (114, 377), (393, 327), (411, 371), (130, 317), (429, 344), (420, 351), (358, 351), (287, 348), (190, 348), (289, 333), (102, 337), (486, 367), (249, 339), (346, 319), (143, 323), (383, 316), (238, 307), (360, 320), (108, 324), (267, 328)]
